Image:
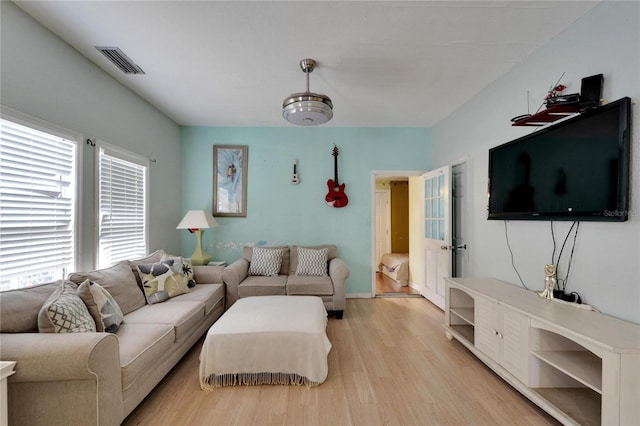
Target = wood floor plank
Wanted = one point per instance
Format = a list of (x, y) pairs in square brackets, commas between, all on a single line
[(390, 364)]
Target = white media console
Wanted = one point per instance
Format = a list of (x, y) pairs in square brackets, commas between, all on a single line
[(580, 366)]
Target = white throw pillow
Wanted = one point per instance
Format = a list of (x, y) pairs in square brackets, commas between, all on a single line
[(65, 312), (265, 261), (312, 261), (102, 306)]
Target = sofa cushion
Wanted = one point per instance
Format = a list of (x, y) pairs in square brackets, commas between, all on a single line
[(332, 252), (119, 281), (162, 280), (102, 306), (65, 312), (284, 267), (262, 286), (207, 294), (312, 261), (265, 261), (309, 285), (184, 316), (187, 269), (141, 345), (19, 308)]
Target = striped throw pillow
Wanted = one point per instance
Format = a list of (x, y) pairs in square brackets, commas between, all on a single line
[(265, 261), (312, 261)]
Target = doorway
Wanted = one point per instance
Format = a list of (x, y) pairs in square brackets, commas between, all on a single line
[(390, 234)]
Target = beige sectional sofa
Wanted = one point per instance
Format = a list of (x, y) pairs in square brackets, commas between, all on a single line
[(98, 378), (329, 285)]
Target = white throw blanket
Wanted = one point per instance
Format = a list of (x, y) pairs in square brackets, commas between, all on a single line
[(267, 340)]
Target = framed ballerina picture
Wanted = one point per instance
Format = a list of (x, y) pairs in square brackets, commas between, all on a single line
[(230, 180)]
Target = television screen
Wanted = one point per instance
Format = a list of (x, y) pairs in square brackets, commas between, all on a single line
[(577, 169)]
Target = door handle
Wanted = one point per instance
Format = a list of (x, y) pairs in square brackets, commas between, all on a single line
[(444, 247), (461, 247)]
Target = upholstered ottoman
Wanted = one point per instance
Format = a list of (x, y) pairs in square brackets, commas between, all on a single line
[(267, 340)]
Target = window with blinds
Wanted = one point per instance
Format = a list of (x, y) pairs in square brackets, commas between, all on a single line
[(37, 206), (122, 206)]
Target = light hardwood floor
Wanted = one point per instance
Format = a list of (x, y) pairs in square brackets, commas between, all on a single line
[(390, 364), (387, 286)]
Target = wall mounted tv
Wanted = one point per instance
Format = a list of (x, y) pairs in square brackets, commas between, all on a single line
[(577, 169)]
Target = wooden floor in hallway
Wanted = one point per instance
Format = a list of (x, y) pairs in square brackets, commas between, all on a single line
[(387, 286)]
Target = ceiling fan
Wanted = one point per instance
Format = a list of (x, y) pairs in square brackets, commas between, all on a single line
[(307, 108)]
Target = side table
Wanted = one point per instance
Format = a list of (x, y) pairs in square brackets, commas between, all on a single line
[(6, 370)]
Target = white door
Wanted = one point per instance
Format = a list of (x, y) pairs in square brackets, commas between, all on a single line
[(383, 224), (437, 233)]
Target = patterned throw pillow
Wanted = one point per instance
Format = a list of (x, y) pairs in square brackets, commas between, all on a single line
[(265, 261), (65, 312), (187, 269), (312, 261), (102, 306), (162, 280)]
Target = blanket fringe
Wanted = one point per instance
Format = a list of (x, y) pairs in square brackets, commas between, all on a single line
[(250, 379)]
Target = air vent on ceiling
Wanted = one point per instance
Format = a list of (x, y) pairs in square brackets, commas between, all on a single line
[(119, 59)]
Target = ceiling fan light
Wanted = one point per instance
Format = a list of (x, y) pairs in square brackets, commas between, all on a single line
[(307, 109)]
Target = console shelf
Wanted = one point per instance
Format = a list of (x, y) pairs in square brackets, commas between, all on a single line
[(579, 366), (582, 366), (466, 314)]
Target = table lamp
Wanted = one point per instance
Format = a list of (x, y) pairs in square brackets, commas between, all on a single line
[(196, 221)]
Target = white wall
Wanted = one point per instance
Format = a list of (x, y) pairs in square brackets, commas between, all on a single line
[(606, 263), (42, 76)]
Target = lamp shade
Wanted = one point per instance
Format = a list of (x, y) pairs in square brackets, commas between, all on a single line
[(197, 219)]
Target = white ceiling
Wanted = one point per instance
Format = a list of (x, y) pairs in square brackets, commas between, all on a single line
[(232, 63)]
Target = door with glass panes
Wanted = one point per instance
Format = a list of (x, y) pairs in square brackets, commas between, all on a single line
[(437, 234)]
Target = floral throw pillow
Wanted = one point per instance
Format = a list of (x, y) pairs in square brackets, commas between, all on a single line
[(265, 261), (312, 261), (102, 306), (162, 280), (187, 269)]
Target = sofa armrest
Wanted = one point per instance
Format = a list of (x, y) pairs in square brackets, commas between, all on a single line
[(208, 274), (232, 276), (339, 272), (78, 372)]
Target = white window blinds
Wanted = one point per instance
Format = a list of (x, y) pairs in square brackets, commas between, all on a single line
[(122, 212), (37, 206)]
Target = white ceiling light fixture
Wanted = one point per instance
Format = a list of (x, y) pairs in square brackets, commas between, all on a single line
[(307, 108)]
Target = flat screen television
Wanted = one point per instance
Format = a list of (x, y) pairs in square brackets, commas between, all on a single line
[(576, 170)]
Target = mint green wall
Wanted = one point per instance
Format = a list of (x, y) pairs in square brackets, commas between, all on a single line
[(281, 213)]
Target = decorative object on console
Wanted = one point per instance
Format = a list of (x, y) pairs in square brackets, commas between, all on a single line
[(195, 221), (549, 281), (336, 196), (307, 108)]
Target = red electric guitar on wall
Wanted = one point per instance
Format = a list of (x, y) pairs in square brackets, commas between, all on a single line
[(336, 196)]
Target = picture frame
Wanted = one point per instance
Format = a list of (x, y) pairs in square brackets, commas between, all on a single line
[(230, 180)]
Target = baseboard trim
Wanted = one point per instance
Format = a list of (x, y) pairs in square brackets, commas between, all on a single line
[(358, 295)]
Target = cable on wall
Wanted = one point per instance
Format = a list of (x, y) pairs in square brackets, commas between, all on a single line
[(506, 235)]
